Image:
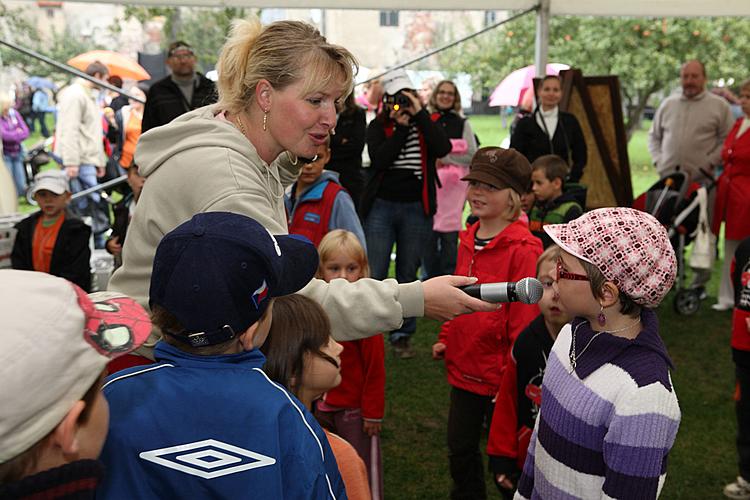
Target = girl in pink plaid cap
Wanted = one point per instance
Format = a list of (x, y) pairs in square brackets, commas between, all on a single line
[(609, 412)]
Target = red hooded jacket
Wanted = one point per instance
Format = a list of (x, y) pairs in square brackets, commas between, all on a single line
[(478, 344)]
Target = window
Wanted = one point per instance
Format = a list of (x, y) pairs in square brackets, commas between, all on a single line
[(490, 17), (389, 18)]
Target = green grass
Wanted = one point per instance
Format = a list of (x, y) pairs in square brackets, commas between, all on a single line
[(703, 459)]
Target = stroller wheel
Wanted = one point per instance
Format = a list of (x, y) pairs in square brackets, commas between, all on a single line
[(29, 198), (687, 302)]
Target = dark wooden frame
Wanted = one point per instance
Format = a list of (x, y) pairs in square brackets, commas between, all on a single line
[(619, 179)]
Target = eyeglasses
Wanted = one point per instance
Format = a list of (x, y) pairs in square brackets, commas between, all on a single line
[(446, 92), (483, 186), (562, 274)]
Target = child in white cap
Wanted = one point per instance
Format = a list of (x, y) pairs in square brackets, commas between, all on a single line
[(53, 240), (53, 418), (609, 413)]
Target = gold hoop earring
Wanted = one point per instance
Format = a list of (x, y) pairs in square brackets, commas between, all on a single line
[(265, 120)]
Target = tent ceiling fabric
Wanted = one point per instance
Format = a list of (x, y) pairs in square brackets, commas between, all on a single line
[(639, 8)]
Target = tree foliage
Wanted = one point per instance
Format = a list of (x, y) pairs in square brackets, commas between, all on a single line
[(646, 54), (17, 27), (205, 29)]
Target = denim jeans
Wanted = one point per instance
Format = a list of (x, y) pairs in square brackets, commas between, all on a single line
[(86, 179), (14, 162), (440, 254), (406, 225)]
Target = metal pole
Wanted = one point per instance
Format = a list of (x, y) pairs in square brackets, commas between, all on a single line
[(69, 69), (100, 187), (541, 44), (453, 43)]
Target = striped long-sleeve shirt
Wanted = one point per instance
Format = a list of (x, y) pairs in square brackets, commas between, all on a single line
[(604, 429)]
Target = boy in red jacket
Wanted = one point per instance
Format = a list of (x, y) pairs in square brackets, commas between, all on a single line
[(475, 346), (520, 394)]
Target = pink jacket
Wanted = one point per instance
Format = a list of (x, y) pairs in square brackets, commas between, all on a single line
[(452, 195)]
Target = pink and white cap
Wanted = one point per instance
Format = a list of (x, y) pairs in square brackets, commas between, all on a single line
[(56, 341), (630, 248)]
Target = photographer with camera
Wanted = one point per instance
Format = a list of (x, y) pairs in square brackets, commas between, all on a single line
[(399, 199)]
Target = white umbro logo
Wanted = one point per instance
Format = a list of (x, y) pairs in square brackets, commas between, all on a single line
[(208, 459)]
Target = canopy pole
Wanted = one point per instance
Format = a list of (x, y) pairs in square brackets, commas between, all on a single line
[(68, 69), (434, 51), (541, 44)]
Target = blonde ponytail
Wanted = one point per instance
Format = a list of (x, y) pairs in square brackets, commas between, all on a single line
[(232, 64), (283, 53)]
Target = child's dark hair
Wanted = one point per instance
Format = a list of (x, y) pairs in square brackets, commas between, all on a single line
[(170, 327), (553, 167), (18, 467), (597, 280), (299, 326)]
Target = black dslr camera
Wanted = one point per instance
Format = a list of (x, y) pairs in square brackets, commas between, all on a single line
[(397, 101)]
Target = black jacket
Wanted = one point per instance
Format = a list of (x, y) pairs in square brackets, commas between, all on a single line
[(384, 150), (531, 140), (348, 142), (71, 256), (346, 152), (165, 101), (530, 352)]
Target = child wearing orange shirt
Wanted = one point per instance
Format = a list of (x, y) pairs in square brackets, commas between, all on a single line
[(53, 240)]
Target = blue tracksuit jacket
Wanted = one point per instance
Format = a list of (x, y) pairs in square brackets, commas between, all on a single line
[(212, 427)]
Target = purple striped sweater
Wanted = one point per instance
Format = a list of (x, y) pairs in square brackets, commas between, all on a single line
[(604, 430)]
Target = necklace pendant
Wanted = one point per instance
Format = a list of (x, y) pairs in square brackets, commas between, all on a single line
[(572, 360)]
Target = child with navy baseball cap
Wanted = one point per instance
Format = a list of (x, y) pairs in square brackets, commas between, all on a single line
[(205, 418)]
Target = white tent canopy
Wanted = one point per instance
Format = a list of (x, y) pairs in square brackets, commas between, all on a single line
[(639, 8)]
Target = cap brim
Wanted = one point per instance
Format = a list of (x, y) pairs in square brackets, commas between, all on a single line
[(486, 178), (115, 323), (53, 187), (300, 263), (561, 235)]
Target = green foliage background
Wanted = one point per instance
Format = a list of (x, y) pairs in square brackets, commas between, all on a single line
[(646, 53)]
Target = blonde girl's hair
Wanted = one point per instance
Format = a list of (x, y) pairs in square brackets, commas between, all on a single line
[(550, 254), (6, 103), (456, 100), (283, 53), (513, 212), (338, 241)]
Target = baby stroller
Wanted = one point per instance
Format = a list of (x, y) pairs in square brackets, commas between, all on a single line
[(677, 203), (35, 158)]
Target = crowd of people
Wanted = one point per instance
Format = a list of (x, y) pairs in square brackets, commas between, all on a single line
[(261, 246)]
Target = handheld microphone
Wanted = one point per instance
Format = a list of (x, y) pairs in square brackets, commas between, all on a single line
[(527, 291)]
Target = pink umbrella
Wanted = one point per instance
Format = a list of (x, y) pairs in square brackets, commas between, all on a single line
[(510, 90)]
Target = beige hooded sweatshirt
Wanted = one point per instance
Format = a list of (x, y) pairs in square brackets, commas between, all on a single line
[(199, 163)]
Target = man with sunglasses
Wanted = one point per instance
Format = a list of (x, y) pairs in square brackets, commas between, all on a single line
[(183, 90)]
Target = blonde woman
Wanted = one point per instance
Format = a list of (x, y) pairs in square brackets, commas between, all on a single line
[(278, 89)]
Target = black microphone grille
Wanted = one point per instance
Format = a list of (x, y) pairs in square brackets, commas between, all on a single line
[(529, 290)]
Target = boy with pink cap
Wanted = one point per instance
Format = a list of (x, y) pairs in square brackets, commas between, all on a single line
[(57, 342), (609, 412)]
